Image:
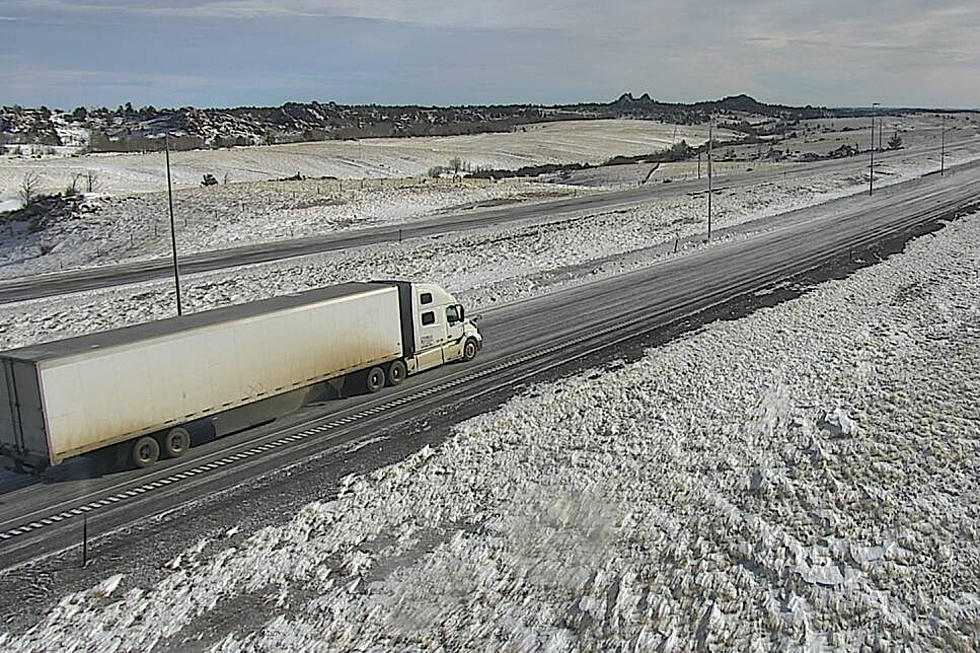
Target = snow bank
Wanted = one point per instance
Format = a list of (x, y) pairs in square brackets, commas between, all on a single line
[(802, 478)]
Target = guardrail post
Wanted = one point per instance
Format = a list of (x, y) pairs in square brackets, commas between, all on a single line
[(84, 540)]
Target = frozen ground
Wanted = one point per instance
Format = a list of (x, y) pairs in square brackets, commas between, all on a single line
[(131, 226), (117, 228), (483, 267), (801, 479), (561, 142)]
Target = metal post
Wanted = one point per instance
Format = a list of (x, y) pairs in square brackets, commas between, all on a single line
[(699, 165), (942, 155), (871, 178), (84, 540), (710, 138), (173, 227)]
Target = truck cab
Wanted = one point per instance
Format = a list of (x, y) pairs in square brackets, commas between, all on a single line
[(442, 332)]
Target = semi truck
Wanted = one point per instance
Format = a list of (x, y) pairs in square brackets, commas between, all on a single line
[(144, 392)]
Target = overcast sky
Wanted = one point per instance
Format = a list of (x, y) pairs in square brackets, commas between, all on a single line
[(64, 53)]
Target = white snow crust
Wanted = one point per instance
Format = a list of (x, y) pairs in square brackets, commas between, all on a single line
[(132, 227), (800, 479), (483, 268), (590, 141)]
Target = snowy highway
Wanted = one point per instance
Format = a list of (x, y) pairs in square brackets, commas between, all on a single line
[(525, 341), (145, 270)]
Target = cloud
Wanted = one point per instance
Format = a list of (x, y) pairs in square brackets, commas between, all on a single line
[(832, 52)]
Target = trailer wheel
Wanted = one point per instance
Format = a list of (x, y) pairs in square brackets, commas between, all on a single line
[(374, 380), (176, 442), (469, 350), (146, 451), (397, 373)]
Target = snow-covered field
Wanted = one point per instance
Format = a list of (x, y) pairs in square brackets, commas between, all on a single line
[(801, 479), (118, 228), (125, 226), (134, 226), (482, 267), (561, 142)]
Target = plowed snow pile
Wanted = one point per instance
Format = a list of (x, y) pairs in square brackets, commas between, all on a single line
[(800, 478)]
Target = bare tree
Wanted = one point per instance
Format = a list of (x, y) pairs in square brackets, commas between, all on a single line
[(456, 164), (28, 190), (76, 179), (91, 181)]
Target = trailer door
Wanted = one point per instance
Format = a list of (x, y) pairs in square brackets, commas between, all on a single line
[(22, 425)]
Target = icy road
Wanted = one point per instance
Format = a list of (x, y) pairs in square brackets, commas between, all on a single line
[(523, 338)]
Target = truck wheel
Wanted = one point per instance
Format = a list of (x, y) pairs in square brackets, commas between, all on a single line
[(176, 442), (374, 380), (397, 373), (469, 350), (146, 451)]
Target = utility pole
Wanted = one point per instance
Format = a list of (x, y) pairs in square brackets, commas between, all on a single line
[(173, 228), (942, 154), (871, 178), (710, 138)]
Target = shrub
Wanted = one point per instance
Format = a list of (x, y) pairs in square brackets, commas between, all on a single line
[(28, 190)]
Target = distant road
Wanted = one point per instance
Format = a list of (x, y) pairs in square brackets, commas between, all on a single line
[(127, 273)]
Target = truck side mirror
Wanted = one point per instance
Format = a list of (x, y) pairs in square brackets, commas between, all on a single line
[(462, 313)]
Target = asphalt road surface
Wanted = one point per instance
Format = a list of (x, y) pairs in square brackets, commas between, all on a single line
[(127, 273), (524, 341)]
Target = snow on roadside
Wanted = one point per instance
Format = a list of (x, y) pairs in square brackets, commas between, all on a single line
[(801, 478), (483, 267), (115, 229), (133, 227)]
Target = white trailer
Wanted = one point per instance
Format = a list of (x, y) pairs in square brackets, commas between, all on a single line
[(139, 392)]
